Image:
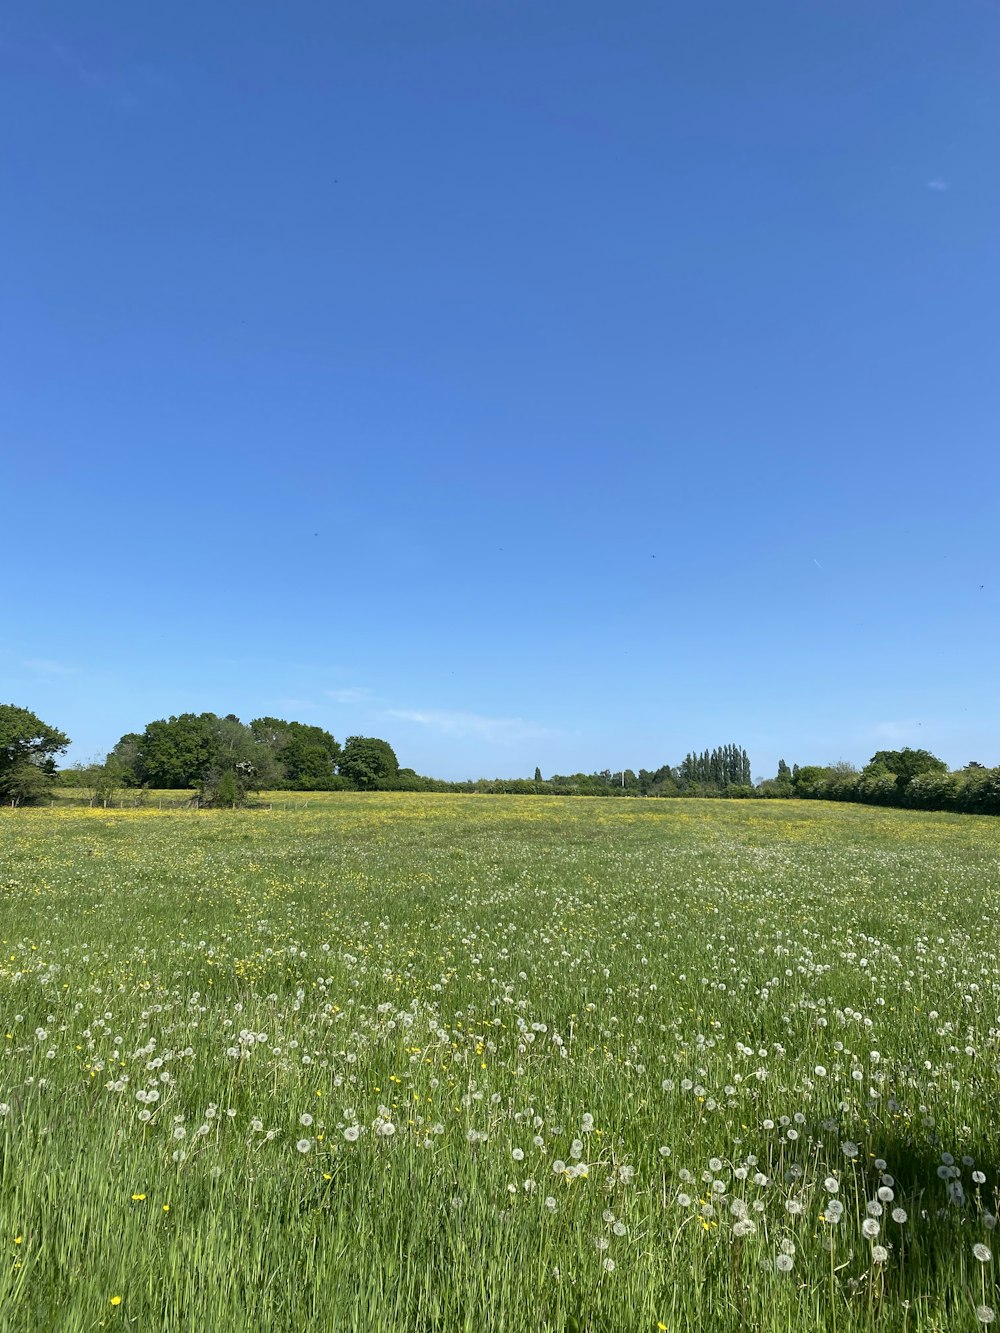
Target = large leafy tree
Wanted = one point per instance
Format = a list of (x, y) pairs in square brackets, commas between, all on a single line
[(368, 762), (308, 755), (198, 750), (905, 764), (242, 763), (28, 747), (127, 756), (178, 751)]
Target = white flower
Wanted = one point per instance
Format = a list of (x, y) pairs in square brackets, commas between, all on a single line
[(983, 1253), (352, 1133), (303, 1145), (305, 1119), (784, 1263), (879, 1254), (870, 1228)]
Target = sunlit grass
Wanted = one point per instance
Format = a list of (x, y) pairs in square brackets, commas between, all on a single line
[(449, 1062)]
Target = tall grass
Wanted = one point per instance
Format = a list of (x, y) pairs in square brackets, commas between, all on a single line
[(449, 1063)]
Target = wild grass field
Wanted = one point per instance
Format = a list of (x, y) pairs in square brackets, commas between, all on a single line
[(468, 1063)]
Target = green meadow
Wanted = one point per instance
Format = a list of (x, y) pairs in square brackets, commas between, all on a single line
[(471, 1063)]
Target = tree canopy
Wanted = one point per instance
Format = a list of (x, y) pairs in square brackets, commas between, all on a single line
[(905, 764), (308, 755), (28, 747), (367, 762), (220, 760)]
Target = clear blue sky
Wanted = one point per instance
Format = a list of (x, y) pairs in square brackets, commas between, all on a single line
[(570, 384)]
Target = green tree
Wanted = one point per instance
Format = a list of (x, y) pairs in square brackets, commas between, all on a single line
[(811, 782), (367, 762), (178, 751), (906, 764), (104, 781), (28, 747), (308, 755), (227, 790), (25, 783), (242, 764), (127, 755)]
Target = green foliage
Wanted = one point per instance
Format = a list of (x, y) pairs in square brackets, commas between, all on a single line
[(906, 764), (28, 747), (307, 755), (876, 784), (195, 750), (913, 778), (367, 762), (127, 754), (713, 771), (810, 780), (227, 790), (178, 751), (780, 787), (103, 781), (25, 783)]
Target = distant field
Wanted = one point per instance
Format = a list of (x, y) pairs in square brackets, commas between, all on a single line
[(477, 1063)]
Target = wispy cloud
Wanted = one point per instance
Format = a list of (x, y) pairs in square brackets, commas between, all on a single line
[(495, 730), (83, 68), (45, 666), (937, 184), (898, 731), (358, 695), (127, 84)]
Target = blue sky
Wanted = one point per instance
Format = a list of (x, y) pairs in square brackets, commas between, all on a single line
[(569, 384)]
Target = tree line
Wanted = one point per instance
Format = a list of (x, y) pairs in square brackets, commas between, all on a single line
[(912, 779), (222, 762)]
